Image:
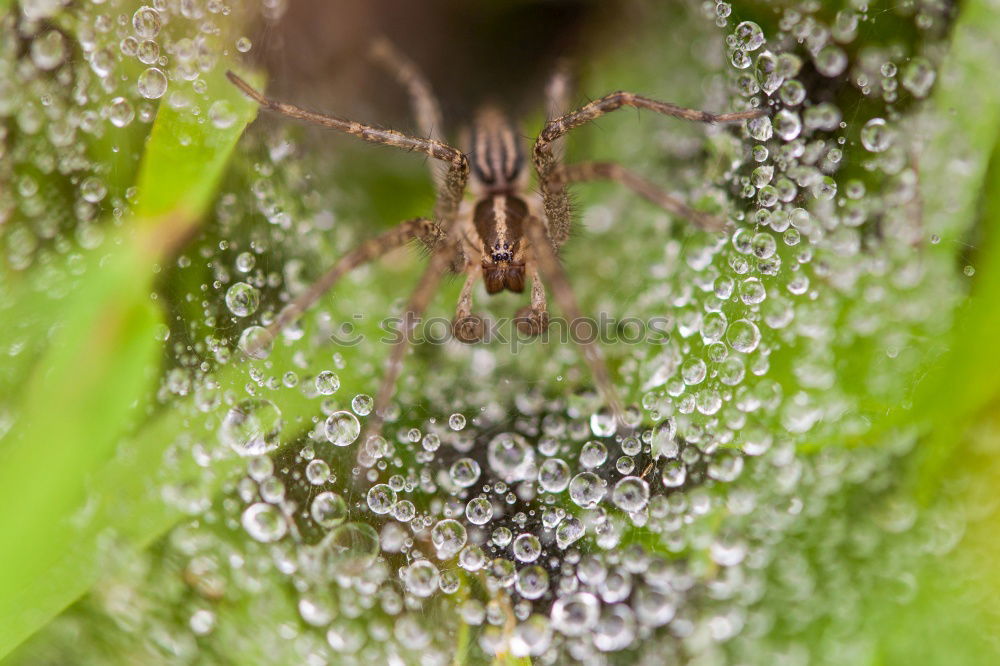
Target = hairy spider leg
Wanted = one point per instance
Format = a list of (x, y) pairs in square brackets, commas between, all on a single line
[(371, 249), (444, 243), (544, 253), (423, 102), (554, 197), (453, 188), (612, 171)]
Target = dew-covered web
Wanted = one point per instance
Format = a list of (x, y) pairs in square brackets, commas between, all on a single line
[(501, 510)]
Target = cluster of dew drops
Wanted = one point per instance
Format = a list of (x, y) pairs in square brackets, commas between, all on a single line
[(94, 75), (554, 533)]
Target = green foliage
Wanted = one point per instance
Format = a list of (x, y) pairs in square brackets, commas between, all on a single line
[(91, 380)]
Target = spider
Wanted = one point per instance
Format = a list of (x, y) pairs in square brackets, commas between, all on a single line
[(507, 233)]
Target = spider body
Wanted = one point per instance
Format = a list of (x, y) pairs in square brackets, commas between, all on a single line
[(507, 234)]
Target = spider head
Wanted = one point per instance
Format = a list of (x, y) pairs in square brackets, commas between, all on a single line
[(499, 224)]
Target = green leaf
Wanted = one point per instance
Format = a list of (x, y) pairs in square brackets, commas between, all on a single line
[(90, 384)]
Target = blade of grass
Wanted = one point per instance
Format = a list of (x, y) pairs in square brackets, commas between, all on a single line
[(954, 183), (89, 383)]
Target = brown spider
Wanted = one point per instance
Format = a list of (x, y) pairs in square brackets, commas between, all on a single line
[(507, 232)]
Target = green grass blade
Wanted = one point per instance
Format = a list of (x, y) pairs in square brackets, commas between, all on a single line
[(85, 391)]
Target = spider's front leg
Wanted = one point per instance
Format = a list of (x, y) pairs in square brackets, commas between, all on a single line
[(544, 258), (611, 171), (466, 326), (533, 320), (546, 158)]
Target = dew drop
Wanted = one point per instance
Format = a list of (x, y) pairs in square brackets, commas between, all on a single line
[(342, 428), (252, 427), (743, 336), (587, 490), (554, 475), (146, 22), (120, 112), (876, 136), (256, 342), (381, 498), (630, 494), (464, 472), (327, 383), (152, 83), (264, 522), (328, 509), (49, 50), (242, 299), (749, 36)]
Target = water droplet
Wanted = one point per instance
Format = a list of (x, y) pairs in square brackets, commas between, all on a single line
[(527, 548), (146, 22), (464, 472), (631, 494), (328, 509), (674, 474), (570, 531), (317, 472), (831, 61), (92, 189), (221, 114), (456, 422), (918, 76), (876, 135), (587, 490), (252, 427), (352, 547), (256, 342), (743, 336), (575, 614), (593, 454), (787, 125), (381, 498), (120, 112), (448, 537), (554, 475), (342, 428), (532, 582), (264, 522), (362, 404), (725, 465), (242, 299), (749, 36), (479, 511), (152, 83), (421, 578), (511, 457), (49, 50), (148, 52), (327, 383)]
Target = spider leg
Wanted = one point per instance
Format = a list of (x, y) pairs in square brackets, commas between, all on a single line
[(590, 171), (557, 92), (425, 105), (369, 250), (467, 327), (449, 196), (544, 253), (419, 300), (546, 159), (533, 320)]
